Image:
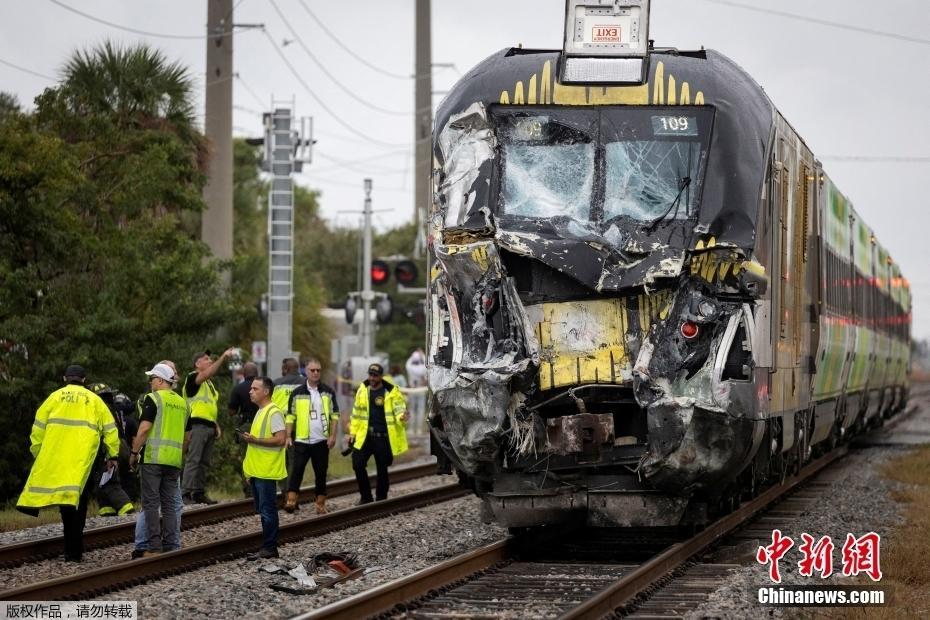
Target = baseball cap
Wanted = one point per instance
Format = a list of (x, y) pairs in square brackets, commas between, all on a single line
[(75, 371), (200, 354), (376, 369), (162, 371)]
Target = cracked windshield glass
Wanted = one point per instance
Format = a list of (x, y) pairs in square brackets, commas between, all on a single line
[(644, 165)]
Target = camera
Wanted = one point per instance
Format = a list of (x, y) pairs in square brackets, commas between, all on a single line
[(235, 360)]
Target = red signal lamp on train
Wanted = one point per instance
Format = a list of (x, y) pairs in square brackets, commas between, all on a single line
[(689, 329)]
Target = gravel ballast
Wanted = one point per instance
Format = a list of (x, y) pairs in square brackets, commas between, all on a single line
[(55, 567), (398, 545), (859, 501)]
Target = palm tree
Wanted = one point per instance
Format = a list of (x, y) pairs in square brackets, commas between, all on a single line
[(136, 85)]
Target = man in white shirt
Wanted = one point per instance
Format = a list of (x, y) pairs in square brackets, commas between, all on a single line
[(312, 416)]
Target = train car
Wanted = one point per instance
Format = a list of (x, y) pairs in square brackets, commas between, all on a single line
[(645, 299)]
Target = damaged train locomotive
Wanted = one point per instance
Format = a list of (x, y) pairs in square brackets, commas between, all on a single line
[(645, 299)]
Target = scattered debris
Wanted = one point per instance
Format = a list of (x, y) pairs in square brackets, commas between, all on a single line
[(329, 569)]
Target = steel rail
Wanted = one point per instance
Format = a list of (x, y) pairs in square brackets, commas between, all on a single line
[(625, 589), (96, 582), (108, 536), (386, 597)]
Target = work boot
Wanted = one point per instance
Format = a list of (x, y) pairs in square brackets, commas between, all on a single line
[(187, 499), (202, 498), (321, 505), (291, 504)]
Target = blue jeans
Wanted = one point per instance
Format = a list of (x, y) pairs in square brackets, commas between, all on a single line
[(141, 542), (264, 494)]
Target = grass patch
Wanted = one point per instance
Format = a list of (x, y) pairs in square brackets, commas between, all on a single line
[(12, 519), (905, 553)]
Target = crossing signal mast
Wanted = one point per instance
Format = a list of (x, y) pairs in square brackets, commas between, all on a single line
[(286, 150)]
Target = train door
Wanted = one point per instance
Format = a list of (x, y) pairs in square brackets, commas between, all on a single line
[(787, 237)]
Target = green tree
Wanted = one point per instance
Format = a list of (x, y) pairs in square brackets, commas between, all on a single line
[(9, 105), (97, 265)]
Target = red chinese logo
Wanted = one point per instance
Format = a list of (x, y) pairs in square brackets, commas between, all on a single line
[(861, 555), (817, 557), (773, 553)]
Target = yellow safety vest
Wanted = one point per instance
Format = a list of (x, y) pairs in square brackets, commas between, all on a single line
[(301, 412), (282, 394), (165, 442), (264, 462), (65, 438), (394, 405), (203, 403)]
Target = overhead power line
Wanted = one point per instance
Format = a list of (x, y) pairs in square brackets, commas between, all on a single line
[(357, 166), (249, 90), (342, 87), (242, 108), (146, 33), (320, 102), (349, 50), (29, 71), (312, 180), (822, 22)]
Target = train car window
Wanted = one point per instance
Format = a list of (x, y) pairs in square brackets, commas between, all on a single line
[(655, 160), (548, 164), (597, 166), (646, 179), (548, 181)]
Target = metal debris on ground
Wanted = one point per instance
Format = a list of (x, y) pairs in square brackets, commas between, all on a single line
[(329, 570)]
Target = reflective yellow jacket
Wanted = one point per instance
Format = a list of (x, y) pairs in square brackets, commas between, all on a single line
[(394, 405), (203, 402), (65, 438), (264, 462)]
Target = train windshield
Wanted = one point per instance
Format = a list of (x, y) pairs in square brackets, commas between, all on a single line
[(600, 166)]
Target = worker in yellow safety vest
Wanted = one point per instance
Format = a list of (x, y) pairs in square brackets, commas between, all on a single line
[(65, 438), (202, 397), (289, 381), (161, 431), (377, 428), (264, 462), (312, 416)]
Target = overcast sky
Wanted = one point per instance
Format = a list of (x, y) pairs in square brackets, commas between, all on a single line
[(849, 93)]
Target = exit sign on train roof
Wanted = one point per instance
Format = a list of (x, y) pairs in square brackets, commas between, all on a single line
[(606, 42), (618, 28)]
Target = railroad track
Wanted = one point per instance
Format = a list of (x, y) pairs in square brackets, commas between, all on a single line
[(503, 578), (98, 538), (97, 582)]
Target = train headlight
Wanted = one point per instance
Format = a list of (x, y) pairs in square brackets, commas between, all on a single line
[(706, 309), (689, 329)]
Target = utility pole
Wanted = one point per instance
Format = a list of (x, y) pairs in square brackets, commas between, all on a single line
[(367, 294), (423, 124), (217, 220)]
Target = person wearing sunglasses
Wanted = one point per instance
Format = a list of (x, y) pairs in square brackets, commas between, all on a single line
[(312, 420)]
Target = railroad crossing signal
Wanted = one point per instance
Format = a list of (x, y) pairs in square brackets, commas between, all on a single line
[(405, 271)]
